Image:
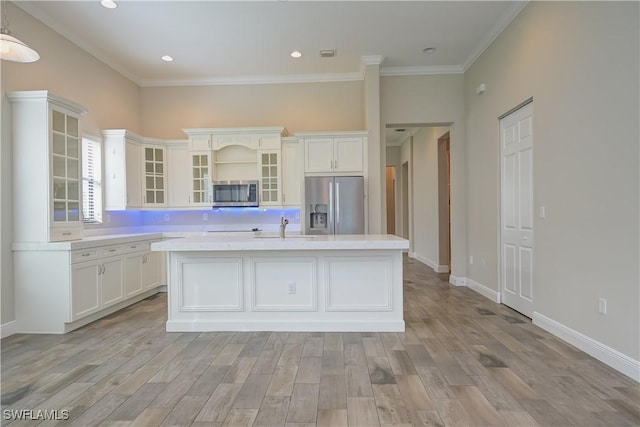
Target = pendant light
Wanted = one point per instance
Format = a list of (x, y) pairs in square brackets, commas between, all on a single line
[(12, 49)]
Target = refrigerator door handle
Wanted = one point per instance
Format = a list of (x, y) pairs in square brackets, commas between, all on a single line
[(331, 217), (337, 218)]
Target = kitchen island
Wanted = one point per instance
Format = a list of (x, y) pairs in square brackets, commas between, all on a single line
[(299, 283)]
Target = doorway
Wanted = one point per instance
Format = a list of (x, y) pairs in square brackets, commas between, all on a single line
[(405, 200), (444, 201), (391, 200), (516, 203)]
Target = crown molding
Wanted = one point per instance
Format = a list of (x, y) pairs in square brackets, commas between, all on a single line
[(502, 24), (255, 80), (421, 71)]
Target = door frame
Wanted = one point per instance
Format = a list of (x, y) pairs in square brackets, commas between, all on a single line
[(499, 187)]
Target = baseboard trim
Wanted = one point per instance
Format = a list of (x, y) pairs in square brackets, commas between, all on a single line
[(437, 268), (8, 329), (457, 281), (484, 291), (214, 326), (605, 354)]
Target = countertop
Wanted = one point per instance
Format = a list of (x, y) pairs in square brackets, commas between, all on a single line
[(271, 241), (87, 242)]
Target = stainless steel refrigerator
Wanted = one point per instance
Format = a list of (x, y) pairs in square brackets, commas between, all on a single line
[(334, 205)]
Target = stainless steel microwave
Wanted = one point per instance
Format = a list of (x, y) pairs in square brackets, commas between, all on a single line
[(234, 193)]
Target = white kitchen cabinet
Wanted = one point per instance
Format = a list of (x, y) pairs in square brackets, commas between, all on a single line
[(122, 169), (200, 178), (154, 176), (269, 174), (200, 142), (152, 267), (292, 172), (85, 294), (179, 186), (76, 286), (46, 167), (335, 153)]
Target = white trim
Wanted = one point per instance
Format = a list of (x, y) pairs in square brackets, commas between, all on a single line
[(8, 329), (421, 71), (605, 354), (434, 266), (323, 326), (254, 80), (484, 290), (457, 281), (500, 26)]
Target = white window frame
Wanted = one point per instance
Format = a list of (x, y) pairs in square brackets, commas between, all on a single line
[(92, 145)]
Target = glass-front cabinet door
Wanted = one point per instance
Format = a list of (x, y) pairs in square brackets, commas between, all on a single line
[(269, 172), (154, 176), (200, 178), (66, 169)]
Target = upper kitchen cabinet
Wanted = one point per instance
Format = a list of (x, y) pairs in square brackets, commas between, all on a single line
[(154, 176), (335, 152), (136, 171), (46, 149), (122, 169), (292, 172), (254, 138)]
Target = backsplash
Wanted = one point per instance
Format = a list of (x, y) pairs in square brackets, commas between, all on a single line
[(217, 219)]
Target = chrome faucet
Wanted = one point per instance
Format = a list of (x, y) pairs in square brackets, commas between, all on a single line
[(283, 226)]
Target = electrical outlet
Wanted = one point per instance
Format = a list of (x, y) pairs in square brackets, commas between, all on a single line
[(166, 218), (297, 214), (108, 218), (484, 263), (205, 217), (602, 306), (292, 288), (471, 259)]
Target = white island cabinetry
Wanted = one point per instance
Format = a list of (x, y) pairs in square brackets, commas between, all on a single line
[(300, 283)]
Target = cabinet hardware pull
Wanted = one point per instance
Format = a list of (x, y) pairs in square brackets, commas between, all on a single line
[(112, 250), (335, 164), (132, 247), (66, 233), (87, 254)]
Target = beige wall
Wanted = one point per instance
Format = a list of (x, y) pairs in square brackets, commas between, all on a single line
[(430, 100), (300, 107), (67, 71), (579, 62)]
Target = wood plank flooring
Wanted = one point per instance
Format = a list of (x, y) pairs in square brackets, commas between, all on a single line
[(462, 361)]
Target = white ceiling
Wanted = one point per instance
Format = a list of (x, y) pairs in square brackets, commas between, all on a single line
[(234, 42)]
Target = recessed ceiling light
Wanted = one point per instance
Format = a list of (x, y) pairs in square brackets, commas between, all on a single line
[(429, 49), (109, 4), (296, 54), (167, 58)]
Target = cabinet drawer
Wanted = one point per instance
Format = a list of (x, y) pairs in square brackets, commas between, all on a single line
[(64, 234), (81, 255), (109, 251), (135, 247)]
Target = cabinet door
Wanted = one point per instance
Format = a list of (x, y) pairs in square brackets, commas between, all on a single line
[(85, 298), (111, 289), (66, 172), (318, 155), (133, 186), (349, 155), (132, 274), (151, 270), (200, 142), (200, 164), (178, 173), (154, 178), (291, 174), (269, 173)]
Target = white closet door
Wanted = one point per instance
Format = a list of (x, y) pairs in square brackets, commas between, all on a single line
[(516, 147)]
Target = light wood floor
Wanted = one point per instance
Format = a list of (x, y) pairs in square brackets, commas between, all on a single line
[(463, 361)]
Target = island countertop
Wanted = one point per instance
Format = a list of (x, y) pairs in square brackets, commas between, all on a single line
[(271, 242)]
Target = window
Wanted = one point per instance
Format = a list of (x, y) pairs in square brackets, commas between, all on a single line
[(91, 181)]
